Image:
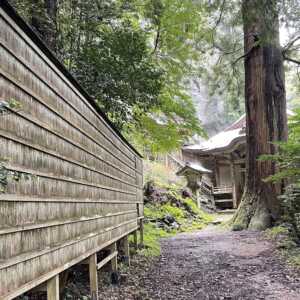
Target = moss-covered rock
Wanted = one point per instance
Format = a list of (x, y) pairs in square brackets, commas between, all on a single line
[(172, 215)]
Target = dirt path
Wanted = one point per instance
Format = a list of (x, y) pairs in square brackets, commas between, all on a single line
[(210, 264)]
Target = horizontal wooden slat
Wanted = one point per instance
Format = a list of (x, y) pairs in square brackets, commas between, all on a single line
[(30, 93), (41, 279), (17, 198), (27, 256), (62, 139), (107, 259), (61, 157), (58, 223), (72, 88), (62, 178), (74, 184)]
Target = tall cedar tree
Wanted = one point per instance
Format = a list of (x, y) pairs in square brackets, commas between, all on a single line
[(265, 111)]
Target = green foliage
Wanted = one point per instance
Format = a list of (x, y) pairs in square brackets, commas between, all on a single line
[(176, 212), (132, 57), (290, 201), (192, 206), (152, 236), (121, 75), (14, 104), (188, 223), (187, 215), (285, 243), (277, 231), (11, 104), (174, 27), (293, 257), (161, 175), (152, 212), (3, 178)]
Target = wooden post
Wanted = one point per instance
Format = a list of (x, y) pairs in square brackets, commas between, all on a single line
[(135, 240), (141, 233), (125, 246), (114, 276), (93, 276), (53, 288), (234, 186), (114, 261), (198, 199)]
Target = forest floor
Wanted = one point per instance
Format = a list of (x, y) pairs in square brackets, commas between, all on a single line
[(209, 264)]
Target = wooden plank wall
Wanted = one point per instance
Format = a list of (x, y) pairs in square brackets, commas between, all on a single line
[(74, 186)]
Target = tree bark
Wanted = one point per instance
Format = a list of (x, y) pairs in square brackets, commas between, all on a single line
[(265, 113)]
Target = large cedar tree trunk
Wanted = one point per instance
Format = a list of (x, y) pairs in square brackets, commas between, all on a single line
[(265, 112)]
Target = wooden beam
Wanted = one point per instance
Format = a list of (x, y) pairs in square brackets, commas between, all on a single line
[(114, 260), (93, 276), (141, 232), (234, 185), (30, 285), (53, 288), (125, 248), (107, 259), (135, 240), (114, 264)]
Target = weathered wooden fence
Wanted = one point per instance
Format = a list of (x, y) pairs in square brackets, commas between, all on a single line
[(70, 184)]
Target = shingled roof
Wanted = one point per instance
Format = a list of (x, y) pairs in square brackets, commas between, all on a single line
[(223, 141), (226, 140)]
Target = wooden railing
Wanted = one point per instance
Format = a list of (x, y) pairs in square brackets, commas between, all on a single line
[(206, 188), (222, 190)]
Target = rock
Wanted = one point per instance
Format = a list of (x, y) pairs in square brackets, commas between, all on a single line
[(168, 219), (115, 278), (186, 193), (152, 193)]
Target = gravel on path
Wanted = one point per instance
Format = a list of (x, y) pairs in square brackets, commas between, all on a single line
[(209, 264)]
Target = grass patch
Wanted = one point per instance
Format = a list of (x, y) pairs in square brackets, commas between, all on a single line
[(167, 212), (188, 216), (285, 243), (152, 236), (163, 176), (276, 232)]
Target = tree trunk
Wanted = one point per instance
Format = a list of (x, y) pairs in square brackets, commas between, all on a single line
[(265, 112)]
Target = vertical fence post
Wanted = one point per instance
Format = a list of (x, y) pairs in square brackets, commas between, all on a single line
[(135, 240), (125, 248), (53, 288), (141, 226), (93, 276), (114, 261), (141, 233)]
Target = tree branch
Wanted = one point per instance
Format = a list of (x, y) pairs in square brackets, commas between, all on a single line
[(156, 43), (221, 15), (246, 54), (295, 61), (290, 44)]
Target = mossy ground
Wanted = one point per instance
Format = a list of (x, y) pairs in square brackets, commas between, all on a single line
[(286, 243), (184, 210), (189, 216)]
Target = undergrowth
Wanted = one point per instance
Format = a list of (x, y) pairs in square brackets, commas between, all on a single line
[(286, 243), (166, 211), (188, 217)]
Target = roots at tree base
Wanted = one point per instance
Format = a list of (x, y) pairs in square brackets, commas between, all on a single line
[(252, 214)]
